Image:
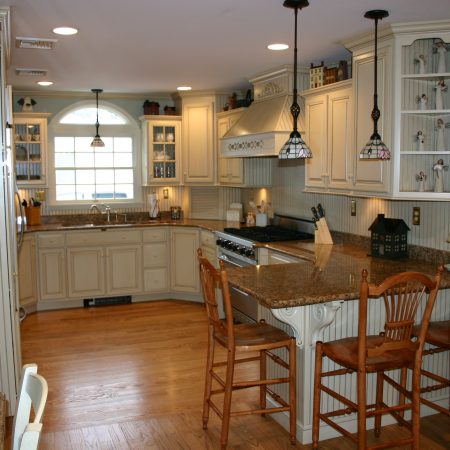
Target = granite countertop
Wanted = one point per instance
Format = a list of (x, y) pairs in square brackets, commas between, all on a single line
[(331, 272), (92, 222)]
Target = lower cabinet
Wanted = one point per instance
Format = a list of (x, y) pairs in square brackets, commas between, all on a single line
[(208, 246), (155, 250), (27, 271), (123, 270), (183, 260)]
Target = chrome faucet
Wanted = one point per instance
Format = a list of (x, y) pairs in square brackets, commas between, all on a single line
[(107, 210)]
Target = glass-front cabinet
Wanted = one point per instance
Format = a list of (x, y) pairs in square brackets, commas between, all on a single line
[(424, 116), (162, 134), (30, 146)]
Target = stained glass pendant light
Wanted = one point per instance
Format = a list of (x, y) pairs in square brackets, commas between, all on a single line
[(295, 147), (97, 141), (375, 149)]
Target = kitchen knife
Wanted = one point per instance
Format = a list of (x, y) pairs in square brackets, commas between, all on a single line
[(320, 210), (315, 214), (315, 223)]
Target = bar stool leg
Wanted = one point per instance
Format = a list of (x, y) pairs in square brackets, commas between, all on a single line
[(293, 390), (316, 399), (361, 377), (378, 402), (262, 376), (208, 378), (227, 400)]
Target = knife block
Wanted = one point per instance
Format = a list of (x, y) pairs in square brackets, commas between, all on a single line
[(322, 234), (33, 215)]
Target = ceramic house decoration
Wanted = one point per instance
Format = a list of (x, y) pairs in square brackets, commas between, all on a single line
[(388, 238)]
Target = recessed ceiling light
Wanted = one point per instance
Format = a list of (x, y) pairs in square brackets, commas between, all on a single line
[(44, 83), (184, 88), (278, 46), (66, 31)]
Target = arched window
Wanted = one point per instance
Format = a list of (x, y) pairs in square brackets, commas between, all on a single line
[(81, 174)]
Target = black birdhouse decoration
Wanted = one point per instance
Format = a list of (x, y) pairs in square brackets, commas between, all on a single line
[(388, 238), (27, 104)]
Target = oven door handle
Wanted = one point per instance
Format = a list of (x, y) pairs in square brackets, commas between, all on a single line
[(227, 260)]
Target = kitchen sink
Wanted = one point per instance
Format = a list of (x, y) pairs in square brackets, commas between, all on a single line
[(98, 225)]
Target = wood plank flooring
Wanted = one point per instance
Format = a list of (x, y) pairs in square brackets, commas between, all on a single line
[(131, 377)]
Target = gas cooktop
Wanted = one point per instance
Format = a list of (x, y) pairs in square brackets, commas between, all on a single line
[(270, 233)]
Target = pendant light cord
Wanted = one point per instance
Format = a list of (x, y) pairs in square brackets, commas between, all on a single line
[(295, 108), (376, 112), (97, 124)]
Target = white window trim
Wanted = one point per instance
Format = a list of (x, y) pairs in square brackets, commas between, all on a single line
[(57, 129)]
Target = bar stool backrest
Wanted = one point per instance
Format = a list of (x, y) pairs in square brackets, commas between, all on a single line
[(403, 295), (213, 278)]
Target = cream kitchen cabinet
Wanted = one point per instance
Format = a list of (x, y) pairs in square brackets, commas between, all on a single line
[(184, 242), (208, 246), (30, 148), (162, 149), (27, 271), (156, 259), (104, 263), (329, 134), (231, 170), (52, 266)]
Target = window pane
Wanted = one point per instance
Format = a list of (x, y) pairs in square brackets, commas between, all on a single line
[(84, 159), (83, 144), (124, 176), (106, 191), (88, 115), (123, 159), (64, 144), (65, 177), (64, 160), (85, 192), (104, 160), (104, 176), (124, 191), (85, 176), (65, 192), (124, 144)]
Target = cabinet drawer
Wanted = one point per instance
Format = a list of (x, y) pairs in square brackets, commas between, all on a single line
[(156, 280), (155, 255), (51, 240), (157, 234), (207, 239), (99, 237)]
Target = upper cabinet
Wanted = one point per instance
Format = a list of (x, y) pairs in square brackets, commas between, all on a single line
[(329, 134), (162, 135), (199, 142), (231, 170), (30, 148), (423, 78)]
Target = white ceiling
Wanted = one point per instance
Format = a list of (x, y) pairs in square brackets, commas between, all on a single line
[(151, 46)]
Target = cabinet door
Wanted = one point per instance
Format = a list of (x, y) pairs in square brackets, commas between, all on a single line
[(316, 137), (184, 266), (198, 142), (340, 139), (231, 170), (27, 271), (86, 272), (30, 145), (123, 269), (372, 176), (52, 274)]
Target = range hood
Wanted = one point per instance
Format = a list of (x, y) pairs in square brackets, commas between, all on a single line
[(266, 125)]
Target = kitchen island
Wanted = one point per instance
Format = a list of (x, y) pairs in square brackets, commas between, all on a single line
[(317, 300)]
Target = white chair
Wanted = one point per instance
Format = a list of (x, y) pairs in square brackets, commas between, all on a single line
[(33, 392)]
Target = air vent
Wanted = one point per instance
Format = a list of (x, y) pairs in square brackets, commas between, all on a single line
[(46, 44), (34, 72)]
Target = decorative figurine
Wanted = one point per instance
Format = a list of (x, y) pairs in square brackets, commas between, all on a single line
[(440, 88), (438, 170), (422, 60), (440, 48), (422, 100), (421, 178), (27, 104), (440, 138), (420, 141)]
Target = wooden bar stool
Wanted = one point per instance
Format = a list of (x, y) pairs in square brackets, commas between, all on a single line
[(260, 338), (438, 335), (404, 295)]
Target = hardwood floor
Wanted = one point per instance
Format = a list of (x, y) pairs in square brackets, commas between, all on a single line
[(131, 377)]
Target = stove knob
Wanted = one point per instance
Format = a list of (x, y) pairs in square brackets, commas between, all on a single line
[(249, 252), (219, 241), (228, 244), (235, 247), (241, 250)]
